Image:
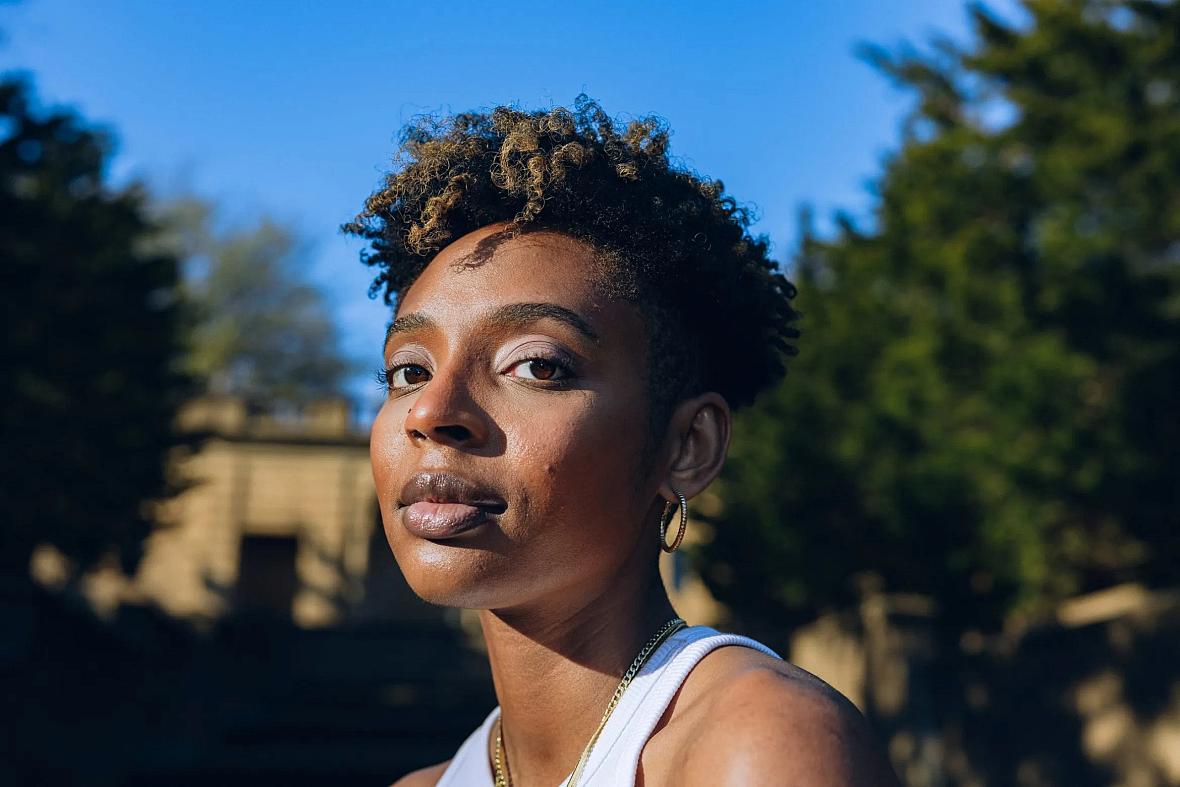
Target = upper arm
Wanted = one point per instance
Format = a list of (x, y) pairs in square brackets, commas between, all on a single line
[(423, 777), (775, 729)]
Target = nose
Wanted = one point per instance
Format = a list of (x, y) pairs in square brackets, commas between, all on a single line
[(444, 412)]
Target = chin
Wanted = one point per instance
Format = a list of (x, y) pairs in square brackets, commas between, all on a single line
[(449, 576)]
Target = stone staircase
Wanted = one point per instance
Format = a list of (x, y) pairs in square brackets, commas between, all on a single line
[(337, 706), (143, 699)]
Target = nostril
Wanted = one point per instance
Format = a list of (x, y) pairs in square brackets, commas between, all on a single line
[(454, 432)]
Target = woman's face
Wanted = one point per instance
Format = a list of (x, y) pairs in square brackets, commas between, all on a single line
[(509, 453)]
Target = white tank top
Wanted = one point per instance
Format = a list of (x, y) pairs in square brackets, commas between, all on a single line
[(615, 757)]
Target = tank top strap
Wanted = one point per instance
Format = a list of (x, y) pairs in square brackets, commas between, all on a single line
[(469, 767), (615, 757)]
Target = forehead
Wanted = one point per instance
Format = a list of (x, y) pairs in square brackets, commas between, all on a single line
[(487, 268)]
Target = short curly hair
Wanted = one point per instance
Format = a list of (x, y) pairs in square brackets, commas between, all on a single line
[(717, 308)]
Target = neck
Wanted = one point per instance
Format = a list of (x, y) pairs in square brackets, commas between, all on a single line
[(555, 670)]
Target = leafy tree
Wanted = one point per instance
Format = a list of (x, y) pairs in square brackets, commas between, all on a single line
[(986, 408), (91, 328), (263, 331)]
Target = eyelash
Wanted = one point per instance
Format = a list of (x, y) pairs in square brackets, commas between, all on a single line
[(565, 367)]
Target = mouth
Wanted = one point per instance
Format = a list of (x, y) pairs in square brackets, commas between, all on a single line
[(438, 505)]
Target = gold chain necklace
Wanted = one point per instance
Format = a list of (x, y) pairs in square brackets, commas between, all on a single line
[(504, 778)]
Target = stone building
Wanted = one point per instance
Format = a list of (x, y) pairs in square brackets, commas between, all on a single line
[(279, 516)]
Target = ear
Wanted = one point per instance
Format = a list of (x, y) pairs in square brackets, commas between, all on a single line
[(698, 438)]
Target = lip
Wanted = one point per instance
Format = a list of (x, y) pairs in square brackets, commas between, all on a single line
[(439, 505), (435, 521)]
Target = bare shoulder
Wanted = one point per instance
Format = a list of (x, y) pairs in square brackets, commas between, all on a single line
[(751, 719), (423, 777)]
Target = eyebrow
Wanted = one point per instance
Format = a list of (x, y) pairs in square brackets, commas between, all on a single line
[(407, 323), (510, 314)]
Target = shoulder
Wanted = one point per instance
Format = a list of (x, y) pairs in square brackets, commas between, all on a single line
[(748, 718), (424, 777)]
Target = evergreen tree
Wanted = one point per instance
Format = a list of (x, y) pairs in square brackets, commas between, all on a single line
[(986, 407), (91, 328)]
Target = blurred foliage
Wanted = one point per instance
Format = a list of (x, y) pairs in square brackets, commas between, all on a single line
[(986, 407), (91, 327), (263, 331)]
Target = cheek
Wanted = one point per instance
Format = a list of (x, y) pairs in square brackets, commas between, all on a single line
[(386, 449), (383, 437), (579, 465)]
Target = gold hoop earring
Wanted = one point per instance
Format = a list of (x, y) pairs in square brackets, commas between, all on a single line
[(666, 517)]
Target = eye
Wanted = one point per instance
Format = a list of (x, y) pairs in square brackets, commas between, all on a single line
[(406, 374), (539, 369)]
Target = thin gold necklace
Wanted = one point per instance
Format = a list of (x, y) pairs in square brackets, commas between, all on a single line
[(504, 778)]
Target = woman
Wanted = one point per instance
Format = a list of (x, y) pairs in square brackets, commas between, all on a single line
[(576, 318)]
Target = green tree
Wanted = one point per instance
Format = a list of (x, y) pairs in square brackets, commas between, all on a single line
[(91, 328), (986, 407), (262, 331)]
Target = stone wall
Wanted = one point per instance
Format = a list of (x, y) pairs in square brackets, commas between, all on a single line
[(1090, 696)]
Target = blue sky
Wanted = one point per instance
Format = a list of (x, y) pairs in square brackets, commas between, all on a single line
[(291, 108)]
